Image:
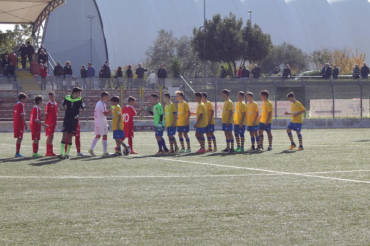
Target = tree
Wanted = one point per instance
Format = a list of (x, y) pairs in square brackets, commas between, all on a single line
[(285, 54), (11, 40), (220, 40), (256, 44), (320, 57)]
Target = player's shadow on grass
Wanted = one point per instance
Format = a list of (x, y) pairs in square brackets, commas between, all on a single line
[(45, 162), (80, 158), (286, 152), (148, 156), (98, 158), (10, 160), (362, 141)]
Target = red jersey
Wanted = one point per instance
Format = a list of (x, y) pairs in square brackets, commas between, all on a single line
[(35, 115), (128, 113), (51, 113), (18, 114)]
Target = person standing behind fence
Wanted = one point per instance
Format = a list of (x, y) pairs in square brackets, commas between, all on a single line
[(67, 75), (365, 71), (245, 72), (140, 71), (287, 73), (43, 76), (335, 72), (119, 78), (58, 76), (106, 75), (256, 71), (42, 57), (129, 75), (90, 76), (29, 51), (356, 72), (162, 75), (23, 53), (152, 79), (83, 73)]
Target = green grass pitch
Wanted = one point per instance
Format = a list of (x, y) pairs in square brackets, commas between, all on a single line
[(320, 196)]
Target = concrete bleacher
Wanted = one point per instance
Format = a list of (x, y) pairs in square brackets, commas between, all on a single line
[(8, 98)]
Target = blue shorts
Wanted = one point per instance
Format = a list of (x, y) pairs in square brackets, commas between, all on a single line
[(171, 131), (239, 130), (183, 129), (210, 128), (227, 127), (159, 131), (201, 130), (118, 134), (264, 127), (295, 126), (252, 128)]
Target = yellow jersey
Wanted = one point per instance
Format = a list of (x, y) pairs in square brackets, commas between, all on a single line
[(169, 111), (210, 112), (117, 118), (183, 114), (240, 109), (295, 108), (228, 106), (266, 109), (202, 110), (252, 112)]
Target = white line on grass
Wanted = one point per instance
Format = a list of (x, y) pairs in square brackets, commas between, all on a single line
[(266, 170)]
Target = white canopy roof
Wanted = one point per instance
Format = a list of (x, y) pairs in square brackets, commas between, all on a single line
[(26, 11)]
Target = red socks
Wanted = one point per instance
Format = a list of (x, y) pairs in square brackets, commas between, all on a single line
[(35, 147), (130, 143), (49, 149), (78, 144), (18, 147)]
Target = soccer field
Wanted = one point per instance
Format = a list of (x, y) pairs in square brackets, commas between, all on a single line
[(320, 196)]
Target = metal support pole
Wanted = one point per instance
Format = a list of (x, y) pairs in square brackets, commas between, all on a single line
[(361, 100), (333, 97), (275, 99), (216, 91)]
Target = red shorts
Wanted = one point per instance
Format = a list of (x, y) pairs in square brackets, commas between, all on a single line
[(49, 131), (18, 132), (36, 133), (129, 132)]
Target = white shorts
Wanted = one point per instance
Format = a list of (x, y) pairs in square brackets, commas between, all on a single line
[(101, 129)]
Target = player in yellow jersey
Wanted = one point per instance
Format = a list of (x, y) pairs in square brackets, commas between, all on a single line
[(211, 123), (297, 111), (252, 119), (170, 113), (239, 118), (117, 127), (227, 121), (201, 122), (183, 121), (265, 120)]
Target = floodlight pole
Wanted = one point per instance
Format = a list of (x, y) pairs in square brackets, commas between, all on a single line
[(204, 25), (91, 18), (250, 15)]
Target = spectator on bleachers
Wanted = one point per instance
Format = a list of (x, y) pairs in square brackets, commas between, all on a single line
[(223, 72), (129, 76), (83, 74), (152, 79), (91, 76), (58, 76), (67, 76), (256, 71), (287, 73), (326, 71), (30, 51), (23, 53), (106, 75), (245, 72), (356, 72), (162, 75), (140, 71), (240, 70), (335, 72), (43, 76), (365, 71), (42, 57), (119, 77)]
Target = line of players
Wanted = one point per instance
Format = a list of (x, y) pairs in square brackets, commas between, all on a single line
[(244, 116)]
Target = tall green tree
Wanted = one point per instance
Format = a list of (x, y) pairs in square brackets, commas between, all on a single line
[(12, 39), (257, 44), (220, 40), (285, 54)]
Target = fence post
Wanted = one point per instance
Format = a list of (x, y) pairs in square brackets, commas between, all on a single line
[(215, 86), (305, 97), (275, 99), (361, 99), (333, 97)]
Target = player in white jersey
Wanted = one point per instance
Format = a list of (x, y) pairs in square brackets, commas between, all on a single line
[(101, 124)]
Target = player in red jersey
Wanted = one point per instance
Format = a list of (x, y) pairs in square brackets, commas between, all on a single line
[(51, 117), (35, 125), (128, 113), (19, 122)]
